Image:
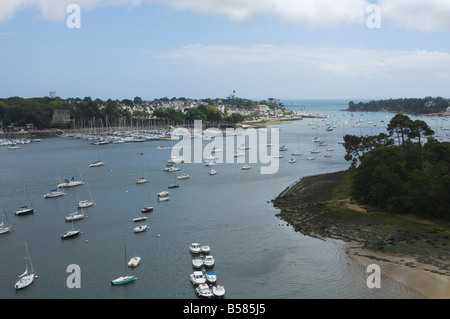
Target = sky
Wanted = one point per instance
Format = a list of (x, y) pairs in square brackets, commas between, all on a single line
[(285, 49)]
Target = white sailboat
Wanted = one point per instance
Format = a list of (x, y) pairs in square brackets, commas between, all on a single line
[(4, 228), (126, 278), (27, 277), (142, 180), (55, 192), (70, 183), (86, 203)]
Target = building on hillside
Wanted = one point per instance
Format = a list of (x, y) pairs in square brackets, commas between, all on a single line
[(61, 116)]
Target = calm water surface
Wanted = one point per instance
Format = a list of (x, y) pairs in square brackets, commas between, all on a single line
[(257, 255)]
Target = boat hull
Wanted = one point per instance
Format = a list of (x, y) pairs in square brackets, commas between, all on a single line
[(26, 211), (123, 280), (25, 281)]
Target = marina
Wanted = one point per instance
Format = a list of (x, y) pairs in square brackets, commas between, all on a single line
[(232, 212)]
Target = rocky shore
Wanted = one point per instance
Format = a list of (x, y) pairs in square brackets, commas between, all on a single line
[(402, 244)]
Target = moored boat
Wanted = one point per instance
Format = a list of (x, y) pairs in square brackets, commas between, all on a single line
[(147, 209), (195, 248), (134, 261), (203, 291), (197, 278), (140, 228), (218, 291)]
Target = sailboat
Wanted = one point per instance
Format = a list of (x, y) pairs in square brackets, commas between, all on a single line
[(25, 210), (86, 203), (126, 278), (70, 183), (3, 228), (54, 192), (142, 180), (26, 278), (71, 232)]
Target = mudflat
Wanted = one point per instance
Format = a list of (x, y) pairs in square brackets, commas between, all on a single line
[(414, 252)]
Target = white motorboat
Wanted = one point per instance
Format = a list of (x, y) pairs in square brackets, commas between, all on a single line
[(205, 249), (211, 277), (292, 160), (195, 248), (209, 261), (296, 153), (163, 199), (238, 154), (311, 158), (278, 156), (54, 193), (147, 209), (197, 262), (163, 194), (139, 219), (327, 155), (315, 151), (134, 261), (75, 216), (183, 176), (197, 278), (210, 158), (283, 148), (26, 278), (140, 228), (218, 291), (175, 160), (97, 164), (203, 291), (212, 172), (245, 166)]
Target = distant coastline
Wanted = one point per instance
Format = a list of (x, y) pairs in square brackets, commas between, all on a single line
[(412, 252)]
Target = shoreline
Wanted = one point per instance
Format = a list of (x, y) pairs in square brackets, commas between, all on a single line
[(409, 251)]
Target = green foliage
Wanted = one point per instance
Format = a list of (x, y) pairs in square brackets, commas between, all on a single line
[(405, 178), (426, 105)]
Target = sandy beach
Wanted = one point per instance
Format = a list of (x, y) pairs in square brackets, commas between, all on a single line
[(410, 251)]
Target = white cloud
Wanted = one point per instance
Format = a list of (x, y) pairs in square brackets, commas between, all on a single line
[(420, 15), (329, 60)]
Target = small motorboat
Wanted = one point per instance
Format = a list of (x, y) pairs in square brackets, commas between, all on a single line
[(139, 219), (218, 291), (197, 278), (147, 209), (195, 248), (245, 166), (212, 172), (292, 161), (183, 176), (173, 186), (311, 158), (283, 148), (296, 153), (197, 262), (97, 164), (203, 291), (163, 199), (140, 228), (211, 277), (163, 194), (205, 249), (209, 261), (134, 261)]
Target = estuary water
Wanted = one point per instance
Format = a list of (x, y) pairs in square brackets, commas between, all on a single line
[(256, 254)]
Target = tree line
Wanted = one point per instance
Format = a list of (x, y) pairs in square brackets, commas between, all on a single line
[(399, 173), (427, 105), (39, 111)]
